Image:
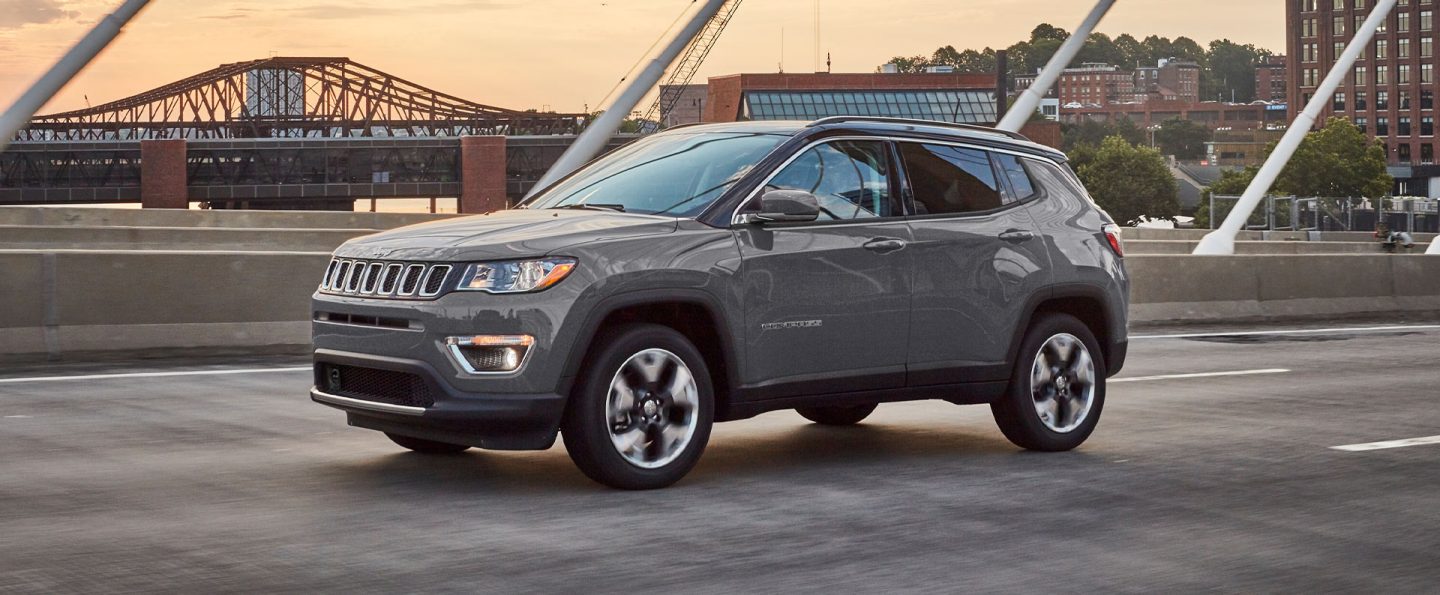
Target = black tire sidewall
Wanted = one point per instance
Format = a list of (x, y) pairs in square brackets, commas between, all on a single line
[(1016, 411), (586, 430)]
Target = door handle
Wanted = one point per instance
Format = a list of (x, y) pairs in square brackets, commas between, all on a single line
[(885, 245), (1016, 236)]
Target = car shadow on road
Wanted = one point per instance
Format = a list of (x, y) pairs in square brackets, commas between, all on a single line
[(817, 451)]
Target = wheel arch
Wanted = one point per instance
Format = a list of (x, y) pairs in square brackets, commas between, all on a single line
[(694, 313), (1093, 306)]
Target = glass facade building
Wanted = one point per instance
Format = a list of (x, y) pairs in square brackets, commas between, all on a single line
[(964, 107)]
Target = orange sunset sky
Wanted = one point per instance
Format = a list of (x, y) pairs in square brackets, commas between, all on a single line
[(563, 54)]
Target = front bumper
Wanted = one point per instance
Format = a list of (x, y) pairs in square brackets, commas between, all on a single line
[(485, 420)]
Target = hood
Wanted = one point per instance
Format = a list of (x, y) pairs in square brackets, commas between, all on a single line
[(516, 233)]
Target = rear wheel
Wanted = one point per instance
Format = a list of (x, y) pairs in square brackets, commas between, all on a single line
[(641, 416), (429, 447), (837, 416), (1057, 389)]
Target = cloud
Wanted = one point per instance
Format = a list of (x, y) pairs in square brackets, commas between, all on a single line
[(18, 13)]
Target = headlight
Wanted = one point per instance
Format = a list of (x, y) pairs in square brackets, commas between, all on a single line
[(519, 276)]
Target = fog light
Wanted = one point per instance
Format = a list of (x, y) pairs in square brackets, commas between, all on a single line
[(490, 354)]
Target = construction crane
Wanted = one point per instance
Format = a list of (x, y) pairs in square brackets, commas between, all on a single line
[(689, 64)]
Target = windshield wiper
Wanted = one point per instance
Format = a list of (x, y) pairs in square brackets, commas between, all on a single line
[(591, 206)]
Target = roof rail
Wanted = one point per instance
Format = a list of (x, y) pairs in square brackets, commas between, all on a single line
[(912, 121)]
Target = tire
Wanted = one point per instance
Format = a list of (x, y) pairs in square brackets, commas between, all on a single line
[(1072, 397), (837, 416), (633, 423), (429, 447)]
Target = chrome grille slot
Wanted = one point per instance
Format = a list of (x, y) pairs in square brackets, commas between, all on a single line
[(435, 280), (357, 274), (372, 278), (411, 281), (329, 274), (392, 278), (385, 280)]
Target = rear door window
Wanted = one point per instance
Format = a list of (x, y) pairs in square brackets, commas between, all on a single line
[(951, 180), (1021, 188)]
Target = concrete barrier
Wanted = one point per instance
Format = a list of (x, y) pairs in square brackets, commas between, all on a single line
[(76, 237), (60, 303), (1184, 289), (1144, 247), (68, 303), (103, 217)]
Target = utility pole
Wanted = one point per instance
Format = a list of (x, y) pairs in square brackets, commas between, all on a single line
[(1222, 240), (19, 115)]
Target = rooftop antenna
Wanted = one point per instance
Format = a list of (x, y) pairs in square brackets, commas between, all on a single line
[(817, 36), (80, 56), (782, 50)]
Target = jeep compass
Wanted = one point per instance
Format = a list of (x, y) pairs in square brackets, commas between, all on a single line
[(716, 272)]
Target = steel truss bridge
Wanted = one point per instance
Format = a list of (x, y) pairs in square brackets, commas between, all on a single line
[(279, 133), (292, 98)]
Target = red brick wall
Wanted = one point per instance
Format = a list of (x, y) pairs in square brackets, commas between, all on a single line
[(1045, 133), (163, 177), (482, 174)]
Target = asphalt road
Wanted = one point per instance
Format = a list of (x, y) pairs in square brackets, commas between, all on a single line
[(236, 482)]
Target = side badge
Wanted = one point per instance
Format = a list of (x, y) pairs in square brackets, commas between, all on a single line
[(799, 324)]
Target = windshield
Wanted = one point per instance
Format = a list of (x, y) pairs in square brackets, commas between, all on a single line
[(668, 174)]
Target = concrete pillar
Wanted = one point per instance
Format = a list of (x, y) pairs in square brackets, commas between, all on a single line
[(163, 176), (482, 174)]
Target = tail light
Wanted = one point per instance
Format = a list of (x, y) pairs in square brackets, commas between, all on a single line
[(1112, 234)]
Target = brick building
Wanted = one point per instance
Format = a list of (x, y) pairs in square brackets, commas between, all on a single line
[(1214, 115), (1098, 84), (1271, 83), (1390, 93)]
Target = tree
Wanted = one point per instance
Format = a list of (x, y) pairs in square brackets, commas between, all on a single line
[(1130, 182), (908, 65), (1232, 71), (1182, 138), (1094, 133), (1337, 161), (1132, 53), (1232, 182), (1048, 31)]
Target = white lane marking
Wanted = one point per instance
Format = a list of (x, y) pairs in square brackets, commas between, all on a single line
[(1428, 440), (153, 375), (1202, 375), (1365, 329)]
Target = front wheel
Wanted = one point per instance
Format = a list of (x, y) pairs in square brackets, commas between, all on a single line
[(1057, 389), (641, 415)]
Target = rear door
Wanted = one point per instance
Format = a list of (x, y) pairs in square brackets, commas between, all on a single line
[(828, 303), (977, 260)]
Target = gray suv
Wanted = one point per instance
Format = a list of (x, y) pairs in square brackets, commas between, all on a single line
[(716, 272)]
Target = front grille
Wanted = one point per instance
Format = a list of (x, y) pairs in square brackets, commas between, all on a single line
[(385, 279), (378, 386)]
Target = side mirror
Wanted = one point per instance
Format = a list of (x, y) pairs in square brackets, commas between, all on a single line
[(786, 206)]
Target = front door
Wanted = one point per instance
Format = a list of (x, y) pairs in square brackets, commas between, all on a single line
[(828, 303)]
